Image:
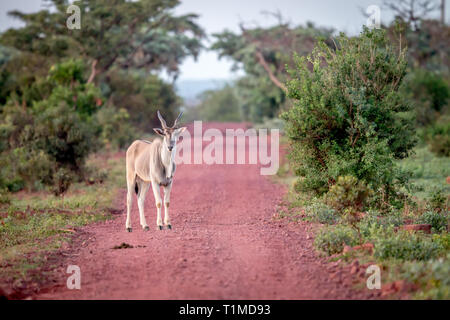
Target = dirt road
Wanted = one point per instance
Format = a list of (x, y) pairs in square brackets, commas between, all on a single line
[(224, 245)]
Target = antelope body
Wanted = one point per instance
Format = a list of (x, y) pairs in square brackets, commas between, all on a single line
[(152, 164)]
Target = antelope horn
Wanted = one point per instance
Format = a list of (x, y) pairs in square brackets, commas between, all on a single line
[(178, 118), (163, 122)]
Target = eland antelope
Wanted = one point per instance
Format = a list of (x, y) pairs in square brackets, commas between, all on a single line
[(152, 163)]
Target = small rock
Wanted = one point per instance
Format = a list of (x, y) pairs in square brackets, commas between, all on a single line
[(354, 270), (366, 246), (347, 249), (417, 227)]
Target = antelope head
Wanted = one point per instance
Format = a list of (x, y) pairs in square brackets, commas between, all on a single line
[(170, 134)]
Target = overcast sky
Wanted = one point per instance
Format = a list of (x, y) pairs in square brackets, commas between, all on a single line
[(217, 15)]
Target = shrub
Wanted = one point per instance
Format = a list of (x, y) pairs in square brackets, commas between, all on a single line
[(116, 130), (48, 141), (319, 212), (438, 137), (431, 275), (217, 105), (33, 166), (62, 179), (405, 246), (442, 239), (4, 196), (437, 199), (348, 117), (428, 92), (332, 239), (348, 193), (373, 226), (437, 220)]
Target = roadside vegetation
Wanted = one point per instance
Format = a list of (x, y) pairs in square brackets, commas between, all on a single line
[(35, 225), (377, 188)]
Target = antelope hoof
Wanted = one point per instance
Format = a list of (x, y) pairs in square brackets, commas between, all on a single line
[(129, 229), (160, 227), (146, 228), (169, 226)]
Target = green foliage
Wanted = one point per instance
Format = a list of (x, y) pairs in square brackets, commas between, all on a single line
[(62, 179), (428, 92), (437, 220), (374, 222), (257, 50), (258, 98), (4, 196), (142, 95), (63, 135), (218, 105), (431, 276), (116, 130), (443, 240), (429, 173), (348, 117), (437, 200), (405, 246), (332, 239), (134, 40), (348, 194), (141, 34), (316, 210), (438, 137), (47, 143)]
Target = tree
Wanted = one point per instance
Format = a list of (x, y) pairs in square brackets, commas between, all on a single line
[(348, 117), (142, 95), (217, 105), (124, 34), (263, 54), (412, 11)]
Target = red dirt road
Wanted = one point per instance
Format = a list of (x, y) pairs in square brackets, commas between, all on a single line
[(224, 245)]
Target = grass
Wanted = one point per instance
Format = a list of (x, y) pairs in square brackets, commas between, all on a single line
[(421, 260), (33, 225), (428, 172)]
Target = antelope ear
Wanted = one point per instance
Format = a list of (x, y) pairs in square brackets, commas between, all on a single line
[(159, 131), (180, 130)]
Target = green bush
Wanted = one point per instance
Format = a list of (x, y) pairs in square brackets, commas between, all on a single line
[(332, 239), (116, 130), (62, 179), (438, 137), (141, 95), (405, 246), (318, 211), (442, 239), (48, 142), (4, 196), (217, 105), (437, 199), (432, 276), (437, 220), (348, 116), (348, 194), (428, 92), (373, 225)]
